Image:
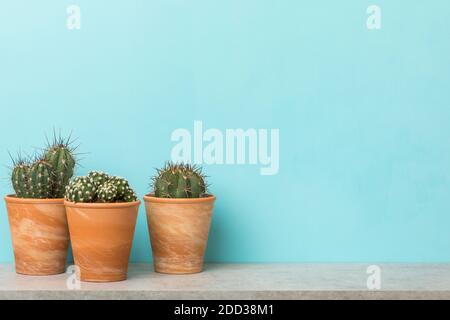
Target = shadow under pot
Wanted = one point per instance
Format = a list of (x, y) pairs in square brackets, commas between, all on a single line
[(39, 233), (101, 236), (178, 231)]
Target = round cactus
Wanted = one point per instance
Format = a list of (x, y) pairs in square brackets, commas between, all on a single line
[(129, 195), (107, 192), (124, 192), (81, 189), (98, 177), (121, 185), (196, 182), (101, 188), (179, 181)]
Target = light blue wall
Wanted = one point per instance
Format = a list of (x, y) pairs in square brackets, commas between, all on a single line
[(363, 114)]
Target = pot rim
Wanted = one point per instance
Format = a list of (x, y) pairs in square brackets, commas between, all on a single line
[(96, 205), (151, 198), (12, 198)]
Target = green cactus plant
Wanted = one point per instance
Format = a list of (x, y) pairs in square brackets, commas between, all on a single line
[(40, 179), (107, 192), (179, 180), (98, 177), (99, 187), (81, 189), (122, 186), (20, 178), (47, 175), (61, 157)]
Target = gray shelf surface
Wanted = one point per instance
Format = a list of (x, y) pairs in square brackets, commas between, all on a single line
[(242, 281)]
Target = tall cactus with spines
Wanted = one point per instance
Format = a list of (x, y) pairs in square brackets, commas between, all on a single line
[(62, 160), (20, 178), (40, 179), (99, 187), (179, 181), (47, 175)]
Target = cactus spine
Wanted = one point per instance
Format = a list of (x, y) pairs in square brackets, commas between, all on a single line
[(179, 181), (100, 187)]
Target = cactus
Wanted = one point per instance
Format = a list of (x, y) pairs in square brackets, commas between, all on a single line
[(179, 181), (101, 187), (98, 177), (20, 178), (40, 179), (32, 179), (47, 175), (81, 189), (129, 195), (62, 160), (121, 185), (107, 192)]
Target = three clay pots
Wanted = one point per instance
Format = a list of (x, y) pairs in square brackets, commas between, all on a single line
[(178, 231), (102, 235), (39, 233)]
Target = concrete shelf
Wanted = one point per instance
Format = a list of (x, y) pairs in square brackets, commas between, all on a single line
[(243, 281)]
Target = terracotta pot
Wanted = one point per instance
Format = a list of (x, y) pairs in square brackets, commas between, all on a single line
[(39, 235), (178, 231), (101, 236)]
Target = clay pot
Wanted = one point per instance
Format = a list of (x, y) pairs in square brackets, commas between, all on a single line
[(101, 236), (178, 232), (39, 235)]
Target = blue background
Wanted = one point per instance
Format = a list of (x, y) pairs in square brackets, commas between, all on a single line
[(363, 114)]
